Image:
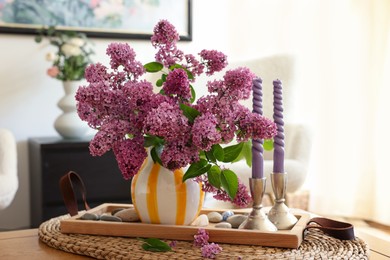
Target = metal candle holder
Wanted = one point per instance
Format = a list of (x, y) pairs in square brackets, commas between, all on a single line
[(280, 214), (257, 219)]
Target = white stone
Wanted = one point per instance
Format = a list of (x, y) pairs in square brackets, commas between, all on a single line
[(201, 221), (214, 217)]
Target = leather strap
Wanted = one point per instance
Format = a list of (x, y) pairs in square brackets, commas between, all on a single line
[(336, 229), (67, 186)]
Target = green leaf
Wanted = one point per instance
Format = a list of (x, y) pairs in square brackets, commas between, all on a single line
[(189, 112), (175, 66), (152, 140), (156, 158), (214, 176), (229, 182), (215, 153), (218, 152), (193, 94), (155, 245), (153, 66), (202, 155), (164, 77), (159, 82), (268, 144), (196, 169), (246, 153), (210, 156), (232, 152), (38, 38)]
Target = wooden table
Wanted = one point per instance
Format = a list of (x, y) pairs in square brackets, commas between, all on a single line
[(25, 244)]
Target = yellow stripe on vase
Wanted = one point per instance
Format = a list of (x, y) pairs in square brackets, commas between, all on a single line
[(181, 197), (151, 196)]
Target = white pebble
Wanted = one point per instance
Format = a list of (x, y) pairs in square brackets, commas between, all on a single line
[(214, 217), (201, 221)]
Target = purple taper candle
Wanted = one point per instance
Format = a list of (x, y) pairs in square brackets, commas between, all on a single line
[(278, 119), (257, 144)]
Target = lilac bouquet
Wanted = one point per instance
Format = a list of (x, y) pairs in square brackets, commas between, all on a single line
[(179, 130)]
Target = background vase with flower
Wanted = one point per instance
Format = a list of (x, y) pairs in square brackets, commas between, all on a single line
[(68, 123), (69, 63)]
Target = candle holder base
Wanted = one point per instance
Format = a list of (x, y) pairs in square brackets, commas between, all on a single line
[(257, 220), (280, 214)]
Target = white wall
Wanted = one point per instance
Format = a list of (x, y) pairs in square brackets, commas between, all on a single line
[(243, 29)]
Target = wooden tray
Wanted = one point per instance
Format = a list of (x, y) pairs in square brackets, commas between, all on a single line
[(286, 238)]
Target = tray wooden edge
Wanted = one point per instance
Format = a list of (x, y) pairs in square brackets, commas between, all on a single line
[(282, 238)]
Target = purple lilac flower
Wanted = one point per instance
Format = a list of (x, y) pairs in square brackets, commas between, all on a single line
[(204, 131), (214, 60), (193, 65), (167, 121), (177, 85), (96, 73), (98, 103), (173, 243), (130, 154), (256, 126), (164, 33), (238, 83), (121, 54), (242, 199), (111, 132), (201, 238), (177, 154), (211, 250), (164, 38)]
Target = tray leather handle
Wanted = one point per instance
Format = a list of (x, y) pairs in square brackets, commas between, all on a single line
[(336, 229), (68, 183)]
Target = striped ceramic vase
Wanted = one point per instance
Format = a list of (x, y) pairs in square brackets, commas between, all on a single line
[(160, 196)]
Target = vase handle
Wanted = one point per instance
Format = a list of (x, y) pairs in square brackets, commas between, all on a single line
[(68, 182)]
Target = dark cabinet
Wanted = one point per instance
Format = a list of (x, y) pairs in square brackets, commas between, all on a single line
[(51, 158)]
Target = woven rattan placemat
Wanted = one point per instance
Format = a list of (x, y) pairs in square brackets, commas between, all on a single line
[(316, 245)]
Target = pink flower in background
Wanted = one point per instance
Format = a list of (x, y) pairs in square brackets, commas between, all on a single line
[(53, 71)]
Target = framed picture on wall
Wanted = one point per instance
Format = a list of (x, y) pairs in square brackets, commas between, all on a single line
[(131, 19)]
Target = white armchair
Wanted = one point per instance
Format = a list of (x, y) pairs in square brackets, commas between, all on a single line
[(297, 136), (8, 168)]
